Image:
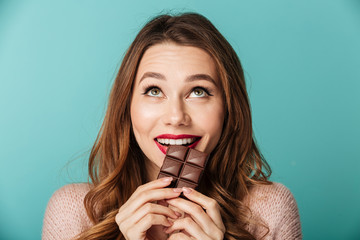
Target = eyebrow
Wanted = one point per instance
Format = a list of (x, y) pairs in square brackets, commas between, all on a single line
[(188, 79), (152, 75)]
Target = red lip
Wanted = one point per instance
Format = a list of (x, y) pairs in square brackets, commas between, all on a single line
[(163, 149), (172, 136)]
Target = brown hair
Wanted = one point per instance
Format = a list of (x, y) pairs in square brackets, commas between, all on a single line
[(236, 163)]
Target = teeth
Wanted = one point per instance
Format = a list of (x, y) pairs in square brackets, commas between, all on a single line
[(182, 141)]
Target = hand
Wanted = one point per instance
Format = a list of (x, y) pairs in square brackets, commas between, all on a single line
[(139, 213), (202, 217)]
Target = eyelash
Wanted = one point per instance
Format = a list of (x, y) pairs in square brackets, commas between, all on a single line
[(147, 89), (206, 90)]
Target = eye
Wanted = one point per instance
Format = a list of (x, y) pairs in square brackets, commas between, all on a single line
[(153, 91), (199, 92)]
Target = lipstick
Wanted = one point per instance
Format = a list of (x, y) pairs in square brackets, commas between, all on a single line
[(163, 141)]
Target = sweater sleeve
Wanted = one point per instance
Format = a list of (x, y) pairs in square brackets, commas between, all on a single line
[(65, 215), (276, 207)]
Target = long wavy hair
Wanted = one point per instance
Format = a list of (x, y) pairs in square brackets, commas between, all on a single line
[(115, 159)]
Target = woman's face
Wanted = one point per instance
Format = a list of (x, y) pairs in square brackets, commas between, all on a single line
[(176, 100)]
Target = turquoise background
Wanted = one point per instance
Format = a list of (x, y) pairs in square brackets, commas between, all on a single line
[(302, 62)]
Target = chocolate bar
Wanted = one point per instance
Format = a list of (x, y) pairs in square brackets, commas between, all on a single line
[(185, 165)]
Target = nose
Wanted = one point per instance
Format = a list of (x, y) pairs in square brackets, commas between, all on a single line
[(176, 113)]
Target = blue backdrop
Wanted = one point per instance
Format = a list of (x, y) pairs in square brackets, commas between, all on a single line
[(302, 63)]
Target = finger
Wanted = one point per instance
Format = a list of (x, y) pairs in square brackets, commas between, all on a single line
[(196, 212), (150, 208), (156, 184), (189, 226), (133, 204), (185, 232), (210, 205), (145, 223), (152, 219), (179, 236)]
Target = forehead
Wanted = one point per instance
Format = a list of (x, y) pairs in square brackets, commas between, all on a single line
[(170, 57)]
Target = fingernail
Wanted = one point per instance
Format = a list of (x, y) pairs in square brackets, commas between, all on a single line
[(167, 179), (186, 190), (178, 214), (177, 190)]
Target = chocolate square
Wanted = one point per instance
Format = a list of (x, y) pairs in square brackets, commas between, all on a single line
[(196, 157), (185, 165), (182, 183), (191, 173), (171, 166)]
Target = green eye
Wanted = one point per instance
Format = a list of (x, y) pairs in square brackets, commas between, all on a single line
[(154, 91), (198, 92)]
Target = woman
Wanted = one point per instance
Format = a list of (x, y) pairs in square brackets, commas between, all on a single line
[(180, 83)]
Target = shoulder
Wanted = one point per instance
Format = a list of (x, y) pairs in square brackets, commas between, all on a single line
[(274, 194), (65, 215), (71, 192), (69, 198), (276, 207)]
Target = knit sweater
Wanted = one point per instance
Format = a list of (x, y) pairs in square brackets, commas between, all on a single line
[(273, 205)]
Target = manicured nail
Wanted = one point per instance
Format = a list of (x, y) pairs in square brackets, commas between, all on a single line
[(177, 190), (186, 190), (178, 214), (167, 179)]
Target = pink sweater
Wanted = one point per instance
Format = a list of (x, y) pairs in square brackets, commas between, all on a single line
[(65, 216)]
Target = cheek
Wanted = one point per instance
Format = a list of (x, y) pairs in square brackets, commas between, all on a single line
[(214, 118), (211, 120), (143, 117), (215, 126)]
